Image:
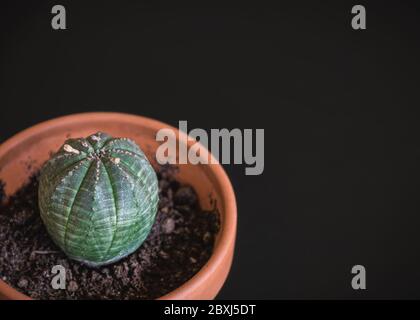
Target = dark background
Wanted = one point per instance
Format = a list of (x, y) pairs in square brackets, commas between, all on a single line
[(339, 108)]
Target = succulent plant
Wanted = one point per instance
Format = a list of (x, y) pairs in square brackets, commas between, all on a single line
[(98, 198)]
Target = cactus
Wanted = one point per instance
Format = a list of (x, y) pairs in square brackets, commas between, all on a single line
[(98, 198)]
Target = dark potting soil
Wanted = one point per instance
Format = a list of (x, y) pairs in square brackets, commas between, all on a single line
[(180, 243)]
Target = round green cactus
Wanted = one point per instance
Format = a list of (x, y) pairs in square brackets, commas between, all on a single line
[(98, 198)]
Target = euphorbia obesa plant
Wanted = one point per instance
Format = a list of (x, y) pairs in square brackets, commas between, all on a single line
[(98, 198)]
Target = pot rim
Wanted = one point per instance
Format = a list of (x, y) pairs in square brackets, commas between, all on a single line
[(229, 222)]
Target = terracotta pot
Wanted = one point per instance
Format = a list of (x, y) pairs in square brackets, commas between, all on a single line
[(36, 143)]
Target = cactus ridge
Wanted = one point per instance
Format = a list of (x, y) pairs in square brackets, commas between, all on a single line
[(98, 198)]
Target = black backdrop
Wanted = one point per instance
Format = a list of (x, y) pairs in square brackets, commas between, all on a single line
[(339, 108)]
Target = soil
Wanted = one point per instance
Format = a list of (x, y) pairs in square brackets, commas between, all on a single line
[(180, 243)]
